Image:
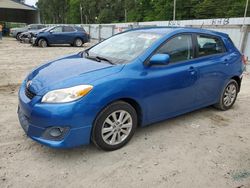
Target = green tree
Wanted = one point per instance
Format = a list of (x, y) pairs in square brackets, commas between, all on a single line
[(110, 11)]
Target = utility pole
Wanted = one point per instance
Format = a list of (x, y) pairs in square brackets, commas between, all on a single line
[(81, 13), (245, 14), (125, 15), (243, 30), (174, 10)]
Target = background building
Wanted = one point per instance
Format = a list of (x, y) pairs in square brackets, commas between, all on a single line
[(18, 12)]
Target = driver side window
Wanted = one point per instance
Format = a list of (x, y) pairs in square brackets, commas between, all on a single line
[(179, 48), (57, 30)]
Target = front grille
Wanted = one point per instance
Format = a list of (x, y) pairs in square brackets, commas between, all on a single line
[(29, 94)]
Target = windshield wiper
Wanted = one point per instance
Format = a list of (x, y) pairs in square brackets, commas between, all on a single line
[(92, 58), (105, 59), (96, 58)]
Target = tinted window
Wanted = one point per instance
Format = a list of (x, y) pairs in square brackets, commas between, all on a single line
[(32, 26), (178, 48), (209, 45), (80, 29), (40, 26), (57, 30), (68, 29)]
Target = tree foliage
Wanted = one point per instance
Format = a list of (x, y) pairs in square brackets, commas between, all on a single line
[(110, 11)]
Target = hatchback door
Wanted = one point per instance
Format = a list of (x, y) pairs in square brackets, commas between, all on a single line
[(171, 88)]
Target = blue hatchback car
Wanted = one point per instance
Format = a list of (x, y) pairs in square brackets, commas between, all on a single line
[(132, 79), (73, 35)]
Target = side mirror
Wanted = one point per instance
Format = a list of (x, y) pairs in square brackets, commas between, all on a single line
[(159, 59)]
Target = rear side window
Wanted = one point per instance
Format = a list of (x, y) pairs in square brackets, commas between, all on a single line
[(80, 29), (209, 45), (179, 48), (68, 29)]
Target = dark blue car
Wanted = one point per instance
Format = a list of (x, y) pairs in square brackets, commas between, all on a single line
[(132, 79), (73, 35)]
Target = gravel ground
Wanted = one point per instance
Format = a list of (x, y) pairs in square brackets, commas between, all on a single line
[(205, 148)]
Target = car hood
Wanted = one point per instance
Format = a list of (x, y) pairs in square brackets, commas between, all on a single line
[(67, 72)]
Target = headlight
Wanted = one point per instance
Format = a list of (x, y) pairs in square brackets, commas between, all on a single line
[(67, 94)]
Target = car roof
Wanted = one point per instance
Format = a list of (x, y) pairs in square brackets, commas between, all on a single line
[(168, 30)]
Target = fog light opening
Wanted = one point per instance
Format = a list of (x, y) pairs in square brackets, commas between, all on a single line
[(56, 132)]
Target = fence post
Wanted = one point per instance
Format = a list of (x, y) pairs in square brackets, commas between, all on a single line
[(113, 30), (243, 41), (99, 32), (89, 30)]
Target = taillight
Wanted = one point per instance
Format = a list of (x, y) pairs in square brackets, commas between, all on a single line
[(244, 59)]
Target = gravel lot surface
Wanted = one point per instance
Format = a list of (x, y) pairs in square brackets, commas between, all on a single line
[(205, 148)]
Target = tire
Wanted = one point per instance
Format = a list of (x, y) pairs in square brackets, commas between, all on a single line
[(18, 36), (78, 42), (42, 43), (228, 96), (109, 134)]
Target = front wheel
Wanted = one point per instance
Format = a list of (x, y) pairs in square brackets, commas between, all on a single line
[(18, 36), (42, 43), (228, 96), (114, 126)]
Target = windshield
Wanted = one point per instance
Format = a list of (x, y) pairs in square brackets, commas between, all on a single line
[(124, 47)]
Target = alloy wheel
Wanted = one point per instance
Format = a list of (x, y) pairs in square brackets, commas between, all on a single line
[(78, 42), (230, 94), (43, 43), (116, 127)]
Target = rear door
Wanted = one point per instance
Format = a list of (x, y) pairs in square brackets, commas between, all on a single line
[(69, 34), (211, 61)]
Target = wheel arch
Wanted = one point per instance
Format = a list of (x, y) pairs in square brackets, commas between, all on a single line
[(18, 33), (44, 38), (136, 106), (77, 37), (134, 103), (238, 80)]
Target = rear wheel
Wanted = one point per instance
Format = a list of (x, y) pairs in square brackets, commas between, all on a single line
[(78, 42), (114, 126), (228, 96), (42, 43)]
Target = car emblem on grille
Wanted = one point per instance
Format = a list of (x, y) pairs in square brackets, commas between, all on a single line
[(28, 83)]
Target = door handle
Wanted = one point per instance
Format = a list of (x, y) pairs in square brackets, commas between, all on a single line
[(192, 70), (225, 61)]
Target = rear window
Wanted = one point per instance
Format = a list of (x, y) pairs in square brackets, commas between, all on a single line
[(208, 45)]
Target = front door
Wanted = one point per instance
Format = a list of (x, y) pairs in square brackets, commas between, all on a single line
[(56, 35), (171, 88)]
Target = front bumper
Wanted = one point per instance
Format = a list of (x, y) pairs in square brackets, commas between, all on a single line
[(36, 117), (33, 41)]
